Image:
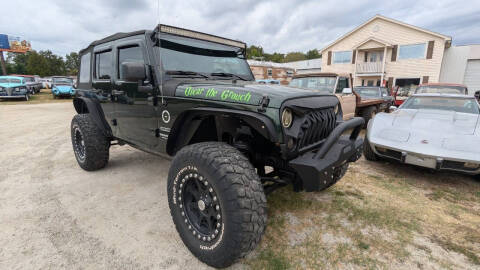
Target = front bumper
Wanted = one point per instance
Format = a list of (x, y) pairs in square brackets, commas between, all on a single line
[(68, 94), (316, 167), (12, 96)]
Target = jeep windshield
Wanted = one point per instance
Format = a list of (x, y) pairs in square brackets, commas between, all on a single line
[(321, 84), (189, 57), (63, 81), (368, 92)]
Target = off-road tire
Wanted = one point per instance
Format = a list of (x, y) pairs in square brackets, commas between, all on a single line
[(238, 191), (368, 151), (368, 113), (94, 153)]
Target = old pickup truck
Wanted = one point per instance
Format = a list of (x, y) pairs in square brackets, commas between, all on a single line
[(338, 84), (371, 100)]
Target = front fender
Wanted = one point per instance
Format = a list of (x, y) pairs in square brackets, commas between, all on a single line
[(86, 105)]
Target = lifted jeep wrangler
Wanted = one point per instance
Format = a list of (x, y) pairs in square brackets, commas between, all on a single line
[(192, 97)]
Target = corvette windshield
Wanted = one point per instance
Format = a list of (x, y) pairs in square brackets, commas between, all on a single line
[(197, 56), (463, 105), (324, 84), (64, 81)]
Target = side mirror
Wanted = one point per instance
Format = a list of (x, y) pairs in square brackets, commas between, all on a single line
[(392, 108), (347, 91), (133, 71)]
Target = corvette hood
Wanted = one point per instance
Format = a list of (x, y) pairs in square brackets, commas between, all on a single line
[(435, 121), (245, 93)]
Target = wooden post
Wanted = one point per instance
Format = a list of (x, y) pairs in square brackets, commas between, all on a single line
[(383, 65), (2, 63)]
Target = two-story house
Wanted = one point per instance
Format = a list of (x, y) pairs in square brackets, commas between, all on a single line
[(387, 52)]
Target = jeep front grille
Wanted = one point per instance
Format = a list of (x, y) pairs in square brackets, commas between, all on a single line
[(316, 126)]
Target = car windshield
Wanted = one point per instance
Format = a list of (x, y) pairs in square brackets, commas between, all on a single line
[(9, 80), (323, 84), (29, 79), (441, 89), (64, 81), (368, 92), (464, 105), (203, 57)]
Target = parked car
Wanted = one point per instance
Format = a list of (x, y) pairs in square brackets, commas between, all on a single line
[(62, 87), (477, 95), (338, 84), (46, 82), (442, 88), (202, 108), (372, 100), (436, 131), (13, 87), (33, 83), (268, 81)]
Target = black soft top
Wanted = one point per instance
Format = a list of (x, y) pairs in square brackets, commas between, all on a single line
[(113, 37)]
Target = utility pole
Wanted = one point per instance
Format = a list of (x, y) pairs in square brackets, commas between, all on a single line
[(2, 63)]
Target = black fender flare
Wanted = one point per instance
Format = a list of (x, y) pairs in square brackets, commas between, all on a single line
[(87, 105), (187, 124)]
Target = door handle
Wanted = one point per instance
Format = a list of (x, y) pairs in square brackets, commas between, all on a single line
[(117, 92)]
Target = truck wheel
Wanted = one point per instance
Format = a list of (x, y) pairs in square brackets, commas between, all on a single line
[(217, 202), (368, 151), (368, 113), (90, 145)]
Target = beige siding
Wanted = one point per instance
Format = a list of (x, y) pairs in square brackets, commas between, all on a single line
[(395, 34)]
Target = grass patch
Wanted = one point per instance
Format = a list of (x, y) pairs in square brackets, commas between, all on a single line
[(268, 259), (449, 245), (44, 96)]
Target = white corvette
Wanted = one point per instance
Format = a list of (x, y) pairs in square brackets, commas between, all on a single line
[(436, 131)]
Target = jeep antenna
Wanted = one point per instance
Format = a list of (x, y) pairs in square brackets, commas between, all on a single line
[(160, 87)]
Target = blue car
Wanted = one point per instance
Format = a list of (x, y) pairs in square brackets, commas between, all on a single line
[(62, 87), (13, 87)]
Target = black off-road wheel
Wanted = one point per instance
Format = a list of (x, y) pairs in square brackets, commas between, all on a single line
[(368, 113), (368, 151), (90, 145), (217, 202)]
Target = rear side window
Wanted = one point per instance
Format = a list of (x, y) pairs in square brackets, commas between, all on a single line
[(129, 54), (342, 83), (103, 65), (85, 68)]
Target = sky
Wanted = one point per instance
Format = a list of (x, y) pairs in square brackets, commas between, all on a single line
[(63, 26)]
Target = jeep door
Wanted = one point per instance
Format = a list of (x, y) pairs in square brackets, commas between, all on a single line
[(347, 101), (134, 110), (102, 80)]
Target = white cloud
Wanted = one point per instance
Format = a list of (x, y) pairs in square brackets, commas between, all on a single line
[(277, 25)]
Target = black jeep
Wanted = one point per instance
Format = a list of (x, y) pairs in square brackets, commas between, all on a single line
[(191, 97)]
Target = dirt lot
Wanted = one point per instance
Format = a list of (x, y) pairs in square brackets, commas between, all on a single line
[(53, 215)]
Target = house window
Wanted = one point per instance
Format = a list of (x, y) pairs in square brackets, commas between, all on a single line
[(375, 56), (344, 57), (413, 51), (85, 68), (269, 72), (289, 73)]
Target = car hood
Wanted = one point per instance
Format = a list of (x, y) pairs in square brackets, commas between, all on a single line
[(435, 121), (244, 93), (10, 85), (63, 88)]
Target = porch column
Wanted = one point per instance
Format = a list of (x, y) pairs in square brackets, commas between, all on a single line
[(383, 65), (355, 69)]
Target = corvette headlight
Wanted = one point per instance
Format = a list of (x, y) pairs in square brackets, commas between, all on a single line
[(287, 118)]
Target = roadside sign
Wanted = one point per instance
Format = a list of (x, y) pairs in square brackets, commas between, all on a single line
[(10, 43)]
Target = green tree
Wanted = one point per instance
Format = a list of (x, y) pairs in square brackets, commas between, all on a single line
[(295, 56), (254, 51), (36, 64), (72, 63), (313, 54)]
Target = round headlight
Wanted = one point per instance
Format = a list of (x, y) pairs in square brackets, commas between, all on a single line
[(17, 89), (287, 118)]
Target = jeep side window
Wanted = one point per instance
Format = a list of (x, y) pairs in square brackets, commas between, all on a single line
[(103, 65), (129, 54), (85, 68), (342, 83)]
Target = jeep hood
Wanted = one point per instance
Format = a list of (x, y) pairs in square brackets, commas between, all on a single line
[(243, 93)]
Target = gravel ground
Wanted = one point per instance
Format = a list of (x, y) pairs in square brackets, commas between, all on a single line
[(54, 215)]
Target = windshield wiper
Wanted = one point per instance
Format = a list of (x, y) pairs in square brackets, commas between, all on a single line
[(225, 74), (187, 73)]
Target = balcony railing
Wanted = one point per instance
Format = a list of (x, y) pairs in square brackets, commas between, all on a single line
[(369, 67)]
